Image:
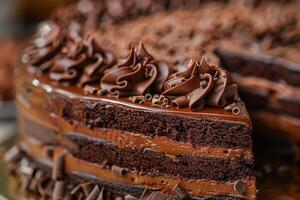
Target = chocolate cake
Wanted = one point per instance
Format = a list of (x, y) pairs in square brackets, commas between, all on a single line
[(239, 35), (111, 114)]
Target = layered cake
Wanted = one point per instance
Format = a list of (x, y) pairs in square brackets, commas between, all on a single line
[(241, 36), (129, 112)]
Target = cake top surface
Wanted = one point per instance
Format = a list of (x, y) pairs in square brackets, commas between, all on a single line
[(167, 55)]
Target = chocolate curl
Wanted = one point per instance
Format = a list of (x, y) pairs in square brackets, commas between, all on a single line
[(59, 190), (101, 195), (58, 170), (181, 102), (223, 89), (118, 170), (197, 100)]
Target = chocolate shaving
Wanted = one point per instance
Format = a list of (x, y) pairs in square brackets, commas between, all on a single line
[(86, 187), (88, 89), (101, 195), (58, 167), (129, 197), (146, 193), (59, 190), (13, 154), (94, 193), (178, 193), (118, 170), (25, 183), (240, 186)]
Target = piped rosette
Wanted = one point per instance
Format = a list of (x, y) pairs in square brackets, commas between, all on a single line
[(200, 85), (65, 58), (140, 73)]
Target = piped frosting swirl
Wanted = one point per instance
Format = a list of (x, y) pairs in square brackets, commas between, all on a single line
[(67, 58), (200, 85), (140, 73)]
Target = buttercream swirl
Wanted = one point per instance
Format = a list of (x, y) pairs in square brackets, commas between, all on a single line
[(83, 61), (44, 45), (200, 85), (140, 73), (67, 58)]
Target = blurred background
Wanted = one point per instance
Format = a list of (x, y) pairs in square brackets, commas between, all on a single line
[(18, 19)]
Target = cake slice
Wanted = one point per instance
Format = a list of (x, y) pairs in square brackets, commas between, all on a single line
[(96, 127)]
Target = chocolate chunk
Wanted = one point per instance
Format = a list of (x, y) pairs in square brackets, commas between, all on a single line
[(240, 186), (118, 170), (178, 193), (93, 194), (13, 154), (58, 167), (129, 197), (59, 190), (156, 196)]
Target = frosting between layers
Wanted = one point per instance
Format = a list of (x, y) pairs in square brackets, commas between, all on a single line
[(164, 184)]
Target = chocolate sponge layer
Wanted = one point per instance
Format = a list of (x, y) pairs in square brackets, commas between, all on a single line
[(148, 162), (199, 132)]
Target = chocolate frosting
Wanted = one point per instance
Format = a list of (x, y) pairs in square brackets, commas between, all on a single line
[(140, 73), (67, 58), (84, 61), (44, 46), (200, 85)]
